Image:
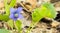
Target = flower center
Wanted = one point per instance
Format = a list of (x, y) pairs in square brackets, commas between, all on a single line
[(16, 15)]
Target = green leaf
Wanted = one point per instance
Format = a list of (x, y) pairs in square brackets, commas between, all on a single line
[(4, 31), (37, 14), (51, 10), (13, 2), (4, 17), (6, 7), (10, 23), (46, 10), (18, 24)]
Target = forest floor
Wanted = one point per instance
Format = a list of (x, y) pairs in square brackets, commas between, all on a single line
[(44, 26)]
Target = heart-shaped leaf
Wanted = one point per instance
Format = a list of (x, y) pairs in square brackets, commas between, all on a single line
[(46, 10)]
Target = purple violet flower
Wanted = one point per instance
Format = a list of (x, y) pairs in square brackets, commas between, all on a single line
[(15, 13)]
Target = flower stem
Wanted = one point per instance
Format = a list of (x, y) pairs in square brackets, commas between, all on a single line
[(32, 25)]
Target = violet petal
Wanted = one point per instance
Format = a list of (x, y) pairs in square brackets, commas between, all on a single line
[(19, 9), (12, 10), (20, 16)]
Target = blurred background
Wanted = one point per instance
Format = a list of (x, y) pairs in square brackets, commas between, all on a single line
[(46, 25)]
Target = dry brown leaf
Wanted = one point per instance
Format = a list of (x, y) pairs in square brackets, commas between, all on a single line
[(32, 2), (55, 23), (1, 5)]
